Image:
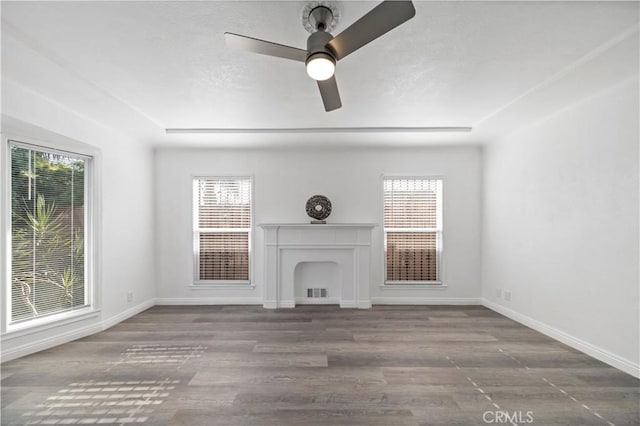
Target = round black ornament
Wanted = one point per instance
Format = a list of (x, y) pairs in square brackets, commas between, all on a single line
[(318, 207)]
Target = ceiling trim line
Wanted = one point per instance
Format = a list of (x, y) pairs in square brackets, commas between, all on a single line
[(40, 50), (594, 53), (226, 130)]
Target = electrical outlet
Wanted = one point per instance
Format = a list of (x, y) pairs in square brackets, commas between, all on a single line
[(507, 295), (498, 293), (129, 297)]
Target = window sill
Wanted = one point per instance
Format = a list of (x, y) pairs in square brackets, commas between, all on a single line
[(57, 320), (209, 285), (432, 285)]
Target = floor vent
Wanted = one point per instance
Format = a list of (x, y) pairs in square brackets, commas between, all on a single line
[(316, 292)]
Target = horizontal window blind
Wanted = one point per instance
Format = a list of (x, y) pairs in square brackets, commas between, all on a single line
[(410, 203), (223, 228), (47, 232), (224, 256), (412, 228), (411, 256)]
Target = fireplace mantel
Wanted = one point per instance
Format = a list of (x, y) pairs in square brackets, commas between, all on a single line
[(288, 244)]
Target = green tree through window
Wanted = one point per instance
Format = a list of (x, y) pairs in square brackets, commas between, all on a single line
[(47, 232)]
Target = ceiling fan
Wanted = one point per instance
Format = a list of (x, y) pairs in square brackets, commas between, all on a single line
[(323, 49)]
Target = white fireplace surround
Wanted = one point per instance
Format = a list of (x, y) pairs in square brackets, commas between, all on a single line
[(287, 245)]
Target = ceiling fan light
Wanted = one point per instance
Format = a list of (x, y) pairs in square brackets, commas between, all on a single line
[(321, 66)]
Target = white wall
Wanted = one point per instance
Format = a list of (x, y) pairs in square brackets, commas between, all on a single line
[(560, 225), (351, 178), (125, 243)]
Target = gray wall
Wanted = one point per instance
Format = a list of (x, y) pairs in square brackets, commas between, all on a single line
[(352, 179), (560, 225)]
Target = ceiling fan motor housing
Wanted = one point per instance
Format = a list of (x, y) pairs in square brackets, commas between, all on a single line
[(317, 46)]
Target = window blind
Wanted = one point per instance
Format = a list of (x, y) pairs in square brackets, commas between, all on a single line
[(223, 228), (412, 228), (47, 232)]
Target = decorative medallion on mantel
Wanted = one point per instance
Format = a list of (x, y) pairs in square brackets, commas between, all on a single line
[(319, 208)]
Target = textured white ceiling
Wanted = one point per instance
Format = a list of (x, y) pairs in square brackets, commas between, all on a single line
[(455, 64)]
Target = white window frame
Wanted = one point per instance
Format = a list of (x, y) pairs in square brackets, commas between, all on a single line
[(439, 281), (197, 282), (91, 307)]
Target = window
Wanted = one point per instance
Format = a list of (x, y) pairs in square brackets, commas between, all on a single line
[(412, 230), (49, 238), (222, 229)]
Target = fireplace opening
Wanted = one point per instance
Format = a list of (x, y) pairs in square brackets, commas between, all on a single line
[(317, 282)]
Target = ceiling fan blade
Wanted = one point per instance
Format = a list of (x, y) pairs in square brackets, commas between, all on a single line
[(330, 95), (379, 20), (237, 41)]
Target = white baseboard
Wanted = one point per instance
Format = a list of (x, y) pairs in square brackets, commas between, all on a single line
[(287, 304), (317, 301), (586, 347), (425, 301), (58, 339), (353, 304), (49, 342), (270, 304), (110, 322), (209, 301), (274, 304), (364, 304)]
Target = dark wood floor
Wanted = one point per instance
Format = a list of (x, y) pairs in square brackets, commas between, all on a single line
[(317, 365)]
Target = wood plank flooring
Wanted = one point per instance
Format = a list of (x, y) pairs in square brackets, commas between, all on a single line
[(317, 365)]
